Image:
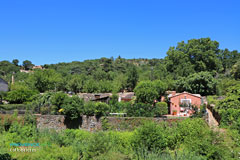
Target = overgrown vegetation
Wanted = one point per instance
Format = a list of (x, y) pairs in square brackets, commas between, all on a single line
[(198, 66), (190, 138)]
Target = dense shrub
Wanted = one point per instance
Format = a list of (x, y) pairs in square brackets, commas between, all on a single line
[(150, 136), (161, 108), (20, 94), (89, 108), (140, 110), (101, 109), (191, 138), (73, 107)]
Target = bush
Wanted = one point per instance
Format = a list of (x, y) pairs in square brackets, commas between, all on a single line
[(14, 106), (101, 109), (73, 107), (58, 100), (89, 108), (140, 110), (97, 145), (146, 92), (150, 136), (20, 94), (161, 108)]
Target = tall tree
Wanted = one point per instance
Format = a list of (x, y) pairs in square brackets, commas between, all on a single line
[(195, 56), (15, 62), (200, 83), (27, 65), (132, 77), (236, 70), (45, 80)]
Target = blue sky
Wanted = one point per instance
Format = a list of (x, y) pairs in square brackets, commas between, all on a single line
[(52, 31)]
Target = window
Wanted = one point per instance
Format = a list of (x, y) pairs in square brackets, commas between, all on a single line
[(186, 102)]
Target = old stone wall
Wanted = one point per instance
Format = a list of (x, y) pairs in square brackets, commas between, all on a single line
[(55, 122), (92, 123)]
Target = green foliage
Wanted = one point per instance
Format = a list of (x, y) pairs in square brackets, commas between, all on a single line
[(13, 106), (228, 58), (97, 145), (229, 108), (160, 87), (150, 136), (42, 101), (27, 65), (73, 107), (90, 86), (161, 108), (7, 68), (236, 70), (101, 109), (75, 83), (45, 80), (57, 100), (195, 56), (89, 108), (132, 77), (188, 139), (140, 110), (15, 62), (202, 83), (146, 92), (20, 93)]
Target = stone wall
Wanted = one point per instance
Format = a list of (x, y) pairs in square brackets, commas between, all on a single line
[(55, 122), (92, 123)]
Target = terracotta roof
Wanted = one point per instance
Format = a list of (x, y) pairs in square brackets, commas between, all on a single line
[(177, 94)]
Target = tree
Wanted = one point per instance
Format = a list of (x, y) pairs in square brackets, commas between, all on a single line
[(75, 83), (15, 62), (45, 80), (199, 83), (195, 56), (236, 70), (91, 86), (132, 79), (27, 65), (119, 83), (20, 94), (7, 68), (160, 87), (228, 58), (146, 92)]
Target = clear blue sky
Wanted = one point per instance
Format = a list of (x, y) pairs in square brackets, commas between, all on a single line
[(51, 31)]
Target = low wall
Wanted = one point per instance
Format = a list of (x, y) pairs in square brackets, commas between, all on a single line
[(55, 122), (92, 123)]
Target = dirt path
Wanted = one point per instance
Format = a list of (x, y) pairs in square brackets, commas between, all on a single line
[(212, 122)]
